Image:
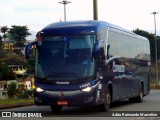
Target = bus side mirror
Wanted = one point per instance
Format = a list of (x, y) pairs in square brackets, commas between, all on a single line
[(108, 47), (28, 49), (96, 49)]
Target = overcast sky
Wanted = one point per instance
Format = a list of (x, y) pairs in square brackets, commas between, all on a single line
[(36, 14)]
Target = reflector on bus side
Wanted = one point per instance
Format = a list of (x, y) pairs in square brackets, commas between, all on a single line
[(40, 38)]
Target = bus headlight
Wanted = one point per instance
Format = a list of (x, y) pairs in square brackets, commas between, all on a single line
[(39, 89), (87, 89)]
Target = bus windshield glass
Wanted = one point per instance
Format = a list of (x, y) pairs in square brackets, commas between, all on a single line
[(65, 57)]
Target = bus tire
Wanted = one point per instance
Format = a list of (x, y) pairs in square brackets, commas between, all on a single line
[(139, 99), (105, 107), (56, 108)]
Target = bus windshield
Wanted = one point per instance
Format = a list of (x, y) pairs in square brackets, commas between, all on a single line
[(65, 57)]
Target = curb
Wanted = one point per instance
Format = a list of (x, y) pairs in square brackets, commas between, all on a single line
[(15, 106)]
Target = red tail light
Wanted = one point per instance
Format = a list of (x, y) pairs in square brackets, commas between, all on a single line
[(40, 38)]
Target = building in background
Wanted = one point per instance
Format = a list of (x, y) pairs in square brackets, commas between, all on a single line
[(18, 70), (8, 45)]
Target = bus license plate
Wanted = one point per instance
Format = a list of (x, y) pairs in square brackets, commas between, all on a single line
[(62, 102)]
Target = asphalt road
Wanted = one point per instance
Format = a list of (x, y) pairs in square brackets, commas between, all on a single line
[(151, 103)]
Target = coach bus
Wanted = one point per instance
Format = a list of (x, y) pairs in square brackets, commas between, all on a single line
[(89, 63)]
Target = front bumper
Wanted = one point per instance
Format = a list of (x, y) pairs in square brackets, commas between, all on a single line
[(73, 98)]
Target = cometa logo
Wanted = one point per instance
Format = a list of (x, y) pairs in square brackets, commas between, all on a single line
[(62, 83), (118, 68)]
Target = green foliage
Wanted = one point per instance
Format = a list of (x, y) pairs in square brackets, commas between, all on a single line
[(1, 43), (19, 44), (158, 47), (10, 102), (20, 93), (0, 38), (30, 65), (21, 87), (4, 70), (155, 86), (23, 93), (3, 55), (8, 58), (19, 33), (12, 89), (4, 30), (10, 76), (11, 58)]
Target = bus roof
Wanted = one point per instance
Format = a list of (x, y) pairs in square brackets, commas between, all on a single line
[(81, 27)]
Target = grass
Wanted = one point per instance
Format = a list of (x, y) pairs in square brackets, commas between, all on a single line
[(155, 86), (16, 101)]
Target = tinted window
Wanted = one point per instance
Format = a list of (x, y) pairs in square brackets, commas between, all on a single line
[(127, 46), (66, 55)]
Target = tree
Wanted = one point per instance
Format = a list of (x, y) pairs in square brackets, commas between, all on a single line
[(14, 59), (151, 40), (12, 89), (19, 33), (31, 65), (158, 47), (19, 44), (4, 30), (3, 70), (3, 55), (9, 58), (0, 42), (0, 38)]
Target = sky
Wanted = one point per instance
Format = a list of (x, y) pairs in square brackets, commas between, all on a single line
[(36, 14)]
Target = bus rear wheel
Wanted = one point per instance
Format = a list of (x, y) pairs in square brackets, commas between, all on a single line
[(139, 98), (105, 107), (56, 108)]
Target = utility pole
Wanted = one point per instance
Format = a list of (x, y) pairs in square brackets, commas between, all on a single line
[(64, 2), (154, 13), (95, 10)]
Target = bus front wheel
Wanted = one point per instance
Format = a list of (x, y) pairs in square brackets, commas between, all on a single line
[(105, 107), (56, 108)]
